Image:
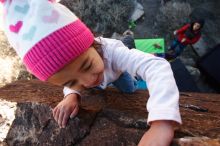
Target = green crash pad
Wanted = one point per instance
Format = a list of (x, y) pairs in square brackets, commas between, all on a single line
[(148, 45)]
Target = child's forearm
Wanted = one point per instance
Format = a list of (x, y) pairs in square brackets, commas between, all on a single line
[(160, 133)]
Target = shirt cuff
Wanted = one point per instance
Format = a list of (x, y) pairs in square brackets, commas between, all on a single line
[(164, 114), (67, 91)]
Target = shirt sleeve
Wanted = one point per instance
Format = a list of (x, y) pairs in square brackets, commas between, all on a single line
[(195, 39), (163, 103), (67, 91), (183, 29)]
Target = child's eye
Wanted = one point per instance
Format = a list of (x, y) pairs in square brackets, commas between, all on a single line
[(88, 67)]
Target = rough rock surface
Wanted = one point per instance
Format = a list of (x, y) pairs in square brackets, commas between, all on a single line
[(196, 141), (107, 15), (106, 118), (41, 129), (7, 116)]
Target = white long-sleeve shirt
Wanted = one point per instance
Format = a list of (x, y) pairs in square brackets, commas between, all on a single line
[(163, 103)]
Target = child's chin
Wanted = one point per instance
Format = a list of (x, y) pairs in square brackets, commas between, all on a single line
[(95, 85), (92, 86), (88, 87)]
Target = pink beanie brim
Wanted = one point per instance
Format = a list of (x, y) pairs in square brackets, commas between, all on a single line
[(58, 49)]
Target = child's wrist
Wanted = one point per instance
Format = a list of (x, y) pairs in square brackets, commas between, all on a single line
[(73, 97), (163, 123)]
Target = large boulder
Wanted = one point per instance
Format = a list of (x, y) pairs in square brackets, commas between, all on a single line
[(103, 16), (106, 117)]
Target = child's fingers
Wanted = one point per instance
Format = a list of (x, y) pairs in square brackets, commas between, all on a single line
[(57, 114), (65, 119), (74, 112), (54, 111), (60, 118)]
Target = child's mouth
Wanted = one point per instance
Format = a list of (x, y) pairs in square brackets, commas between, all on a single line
[(98, 80)]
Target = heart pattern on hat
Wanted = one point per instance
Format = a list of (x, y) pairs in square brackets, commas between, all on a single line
[(2, 1), (53, 1), (23, 9), (29, 36), (51, 18), (16, 28)]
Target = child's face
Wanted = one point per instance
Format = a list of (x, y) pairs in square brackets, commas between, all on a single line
[(86, 71), (196, 26)]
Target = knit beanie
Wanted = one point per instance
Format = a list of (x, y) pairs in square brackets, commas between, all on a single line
[(45, 34)]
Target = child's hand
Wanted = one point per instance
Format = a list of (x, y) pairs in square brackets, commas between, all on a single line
[(67, 108), (160, 134), (183, 40)]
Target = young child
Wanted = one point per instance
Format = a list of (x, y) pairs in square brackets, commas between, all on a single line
[(188, 34), (57, 47)]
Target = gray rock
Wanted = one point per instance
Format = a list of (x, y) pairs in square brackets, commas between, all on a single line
[(138, 12), (7, 116), (194, 72), (201, 47), (111, 135), (116, 35), (188, 61), (103, 17), (34, 125)]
